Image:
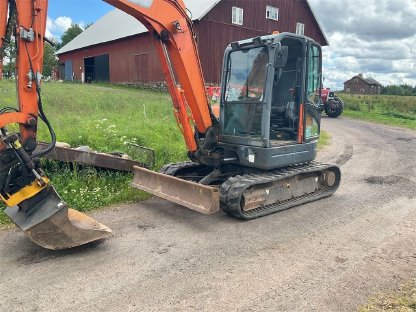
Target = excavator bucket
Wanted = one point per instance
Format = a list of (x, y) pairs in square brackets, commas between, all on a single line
[(49, 223), (199, 197)]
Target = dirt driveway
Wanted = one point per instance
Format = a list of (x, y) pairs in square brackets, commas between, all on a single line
[(330, 255)]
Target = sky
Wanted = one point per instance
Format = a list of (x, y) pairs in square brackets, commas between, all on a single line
[(374, 37), (61, 13)]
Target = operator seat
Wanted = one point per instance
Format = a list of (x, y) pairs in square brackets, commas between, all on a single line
[(280, 118)]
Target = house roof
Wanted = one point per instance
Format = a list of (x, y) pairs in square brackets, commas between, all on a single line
[(124, 25), (372, 81), (118, 24), (369, 80)]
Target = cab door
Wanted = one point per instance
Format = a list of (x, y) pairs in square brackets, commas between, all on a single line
[(313, 86)]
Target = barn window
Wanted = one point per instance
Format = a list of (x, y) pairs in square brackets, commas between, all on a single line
[(272, 13), (237, 16), (300, 28)]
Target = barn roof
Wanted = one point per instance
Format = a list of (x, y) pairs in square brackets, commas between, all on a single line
[(123, 25), (369, 80), (118, 24)]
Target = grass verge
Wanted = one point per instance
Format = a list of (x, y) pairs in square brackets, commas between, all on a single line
[(390, 110), (105, 118), (324, 139), (403, 300)]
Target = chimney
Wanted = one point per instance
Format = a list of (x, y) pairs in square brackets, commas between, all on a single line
[(361, 75)]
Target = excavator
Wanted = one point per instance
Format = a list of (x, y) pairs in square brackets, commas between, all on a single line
[(251, 156)]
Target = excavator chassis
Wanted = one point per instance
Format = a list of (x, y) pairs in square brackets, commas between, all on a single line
[(246, 196)]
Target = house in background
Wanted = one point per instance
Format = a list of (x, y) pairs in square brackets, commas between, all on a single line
[(118, 48), (359, 84)]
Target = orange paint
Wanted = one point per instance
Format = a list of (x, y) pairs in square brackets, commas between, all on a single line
[(9, 118), (27, 96)]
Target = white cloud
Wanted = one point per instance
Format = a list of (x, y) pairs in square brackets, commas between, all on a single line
[(373, 37), (56, 27)]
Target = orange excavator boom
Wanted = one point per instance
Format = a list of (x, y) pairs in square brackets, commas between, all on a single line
[(171, 27)]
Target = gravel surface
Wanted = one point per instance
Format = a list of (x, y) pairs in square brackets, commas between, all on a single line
[(330, 255)]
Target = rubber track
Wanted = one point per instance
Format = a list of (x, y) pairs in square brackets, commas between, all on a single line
[(233, 188), (171, 169)]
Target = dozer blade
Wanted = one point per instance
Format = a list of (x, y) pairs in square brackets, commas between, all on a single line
[(199, 197), (48, 222)]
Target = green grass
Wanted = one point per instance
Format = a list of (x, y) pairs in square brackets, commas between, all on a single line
[(106, 118), (402, 300), (385, 109), (324, 139)]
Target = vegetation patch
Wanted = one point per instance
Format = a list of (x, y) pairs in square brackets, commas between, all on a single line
[(105, 118), (325, 139), (391, 110), (402, 300)]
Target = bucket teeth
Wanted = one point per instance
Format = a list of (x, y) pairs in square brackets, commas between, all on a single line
[(48, 222)]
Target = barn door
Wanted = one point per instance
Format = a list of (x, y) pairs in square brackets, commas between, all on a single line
[(68, 70), (102, 68), (141, 70)]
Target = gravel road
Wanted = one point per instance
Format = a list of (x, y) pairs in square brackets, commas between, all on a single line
[(330, 255)]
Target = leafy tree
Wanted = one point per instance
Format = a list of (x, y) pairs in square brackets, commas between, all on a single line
[(9, 60), (8, 49), (403, 89), (49, 60), (73, 31)]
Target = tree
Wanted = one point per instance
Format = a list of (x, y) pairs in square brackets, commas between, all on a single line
[(73, 31), (9, 60), (8, 48), (49, 60), (402, 89)]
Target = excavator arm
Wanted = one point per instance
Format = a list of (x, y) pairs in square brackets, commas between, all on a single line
[(175, 40), (33, 204), (174, 37)]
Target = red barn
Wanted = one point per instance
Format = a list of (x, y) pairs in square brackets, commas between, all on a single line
[(118, 48)]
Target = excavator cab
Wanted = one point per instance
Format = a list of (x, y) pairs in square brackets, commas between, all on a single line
[(257, 158), (268, 104)]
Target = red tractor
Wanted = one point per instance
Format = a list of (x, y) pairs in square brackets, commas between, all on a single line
[(332, 105)]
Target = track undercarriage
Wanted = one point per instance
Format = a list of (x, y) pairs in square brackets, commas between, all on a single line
[(249, 193)]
